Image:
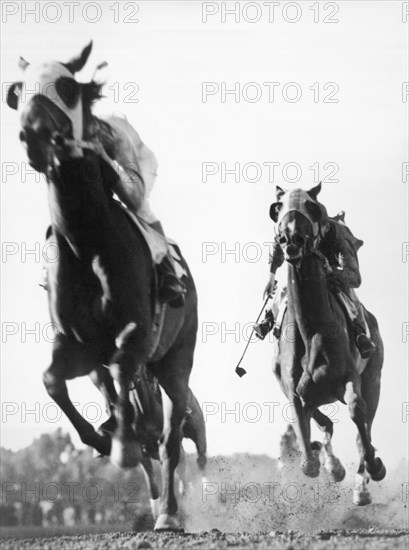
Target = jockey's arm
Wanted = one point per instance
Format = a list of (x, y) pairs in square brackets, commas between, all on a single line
[(347, 271), (276, 260), (129, 186)]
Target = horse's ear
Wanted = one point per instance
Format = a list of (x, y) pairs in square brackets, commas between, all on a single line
[(314, 210), (68, 89), (340, 217), (279, 192), (12, 95), (23, 64), (275, 210), (76, 63), (314, 191)]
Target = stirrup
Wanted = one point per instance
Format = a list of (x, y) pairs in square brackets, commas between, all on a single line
[(365, 346)]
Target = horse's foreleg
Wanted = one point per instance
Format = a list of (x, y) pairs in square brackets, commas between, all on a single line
[(102, 379), (54, 381), (332, 464), (153, 488), (359, 413), (182, 468), (310, 463), (126, 451), (370, 388)]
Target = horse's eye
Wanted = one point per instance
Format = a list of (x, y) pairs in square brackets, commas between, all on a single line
[(22, 135), (282, 239)]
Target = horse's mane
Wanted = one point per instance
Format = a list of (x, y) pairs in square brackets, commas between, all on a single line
[(94, 126)]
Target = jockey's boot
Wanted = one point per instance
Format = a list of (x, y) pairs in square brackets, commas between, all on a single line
[(364, 344), (171, 289), (263, 328), (363, 340)]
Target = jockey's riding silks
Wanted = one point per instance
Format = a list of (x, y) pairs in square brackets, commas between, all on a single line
[(40, 80)]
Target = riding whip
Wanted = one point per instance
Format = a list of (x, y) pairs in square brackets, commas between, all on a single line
[(239, 370)]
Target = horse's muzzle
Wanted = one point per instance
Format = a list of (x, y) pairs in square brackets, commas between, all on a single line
[(292, 253)]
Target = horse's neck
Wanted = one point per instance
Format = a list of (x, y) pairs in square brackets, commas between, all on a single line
[(79, 204), (308, 296)]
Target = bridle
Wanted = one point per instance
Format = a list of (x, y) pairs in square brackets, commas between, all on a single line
[(310, 244), (59, 139)]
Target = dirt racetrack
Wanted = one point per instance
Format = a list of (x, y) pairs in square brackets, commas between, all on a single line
[(247, 503), (215, 539)]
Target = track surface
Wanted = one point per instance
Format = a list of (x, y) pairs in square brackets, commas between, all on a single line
[(293, 540)]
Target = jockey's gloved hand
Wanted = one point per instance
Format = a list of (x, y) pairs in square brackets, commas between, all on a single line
[(270, 287), (328, 268)]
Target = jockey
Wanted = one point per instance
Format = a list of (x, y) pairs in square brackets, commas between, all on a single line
[(116, 141), (120, 145), (340, 247)]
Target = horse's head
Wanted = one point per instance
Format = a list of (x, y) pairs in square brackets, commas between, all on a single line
[(49, 101), (297, 215)]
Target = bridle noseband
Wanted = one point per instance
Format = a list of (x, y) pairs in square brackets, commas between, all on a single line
[(310, 245)]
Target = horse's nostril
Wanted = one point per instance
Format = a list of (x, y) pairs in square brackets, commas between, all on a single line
[(22, 136)]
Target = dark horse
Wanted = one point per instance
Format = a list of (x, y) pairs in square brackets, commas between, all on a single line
[(316, 360), (102, 292)]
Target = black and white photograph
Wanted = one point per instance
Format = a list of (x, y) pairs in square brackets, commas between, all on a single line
[(204, 275)]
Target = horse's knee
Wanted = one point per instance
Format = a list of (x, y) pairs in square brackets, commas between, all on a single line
[(88, 437), (357, 408), (53, 384)]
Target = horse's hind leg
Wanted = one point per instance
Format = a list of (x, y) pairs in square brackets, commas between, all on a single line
[(194, 428), (332, 464), (173, 373), (71, 359)]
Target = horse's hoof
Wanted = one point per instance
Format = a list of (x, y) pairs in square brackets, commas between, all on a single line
[(378, 472), (335, 469), (311, 467), (125, 454), (167, 522), (361, 498)]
